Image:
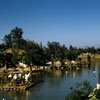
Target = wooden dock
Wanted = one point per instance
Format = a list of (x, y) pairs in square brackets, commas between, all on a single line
[(24, 87)]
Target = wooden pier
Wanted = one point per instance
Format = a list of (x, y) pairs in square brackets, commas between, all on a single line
[(16, 80), (24, 87)]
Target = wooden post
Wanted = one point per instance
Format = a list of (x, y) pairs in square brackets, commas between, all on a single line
[(1, 83)]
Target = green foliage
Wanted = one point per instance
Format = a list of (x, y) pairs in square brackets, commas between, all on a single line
[(35, 53), (14, 38), (8, 40), (80, 91), (14, 55), (55, 51), (97, 93), (2, 47)]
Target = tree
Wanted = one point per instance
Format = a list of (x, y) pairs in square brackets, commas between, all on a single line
[(2, 47), (15, 55), (14, 38), (33, 54), (55, 51), (81, 91), (72, 53), (97, 94), (17, 36), (8, 40)]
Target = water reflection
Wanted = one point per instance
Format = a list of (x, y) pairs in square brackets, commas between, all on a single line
[(15, 95), (57, 73), (55, 85)]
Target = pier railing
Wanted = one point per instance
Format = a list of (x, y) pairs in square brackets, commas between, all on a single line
[(14, 83)]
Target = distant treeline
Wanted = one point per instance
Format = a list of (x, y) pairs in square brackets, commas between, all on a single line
[(36, 53)]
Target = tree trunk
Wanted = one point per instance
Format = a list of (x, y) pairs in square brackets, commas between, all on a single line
[(31, 69)]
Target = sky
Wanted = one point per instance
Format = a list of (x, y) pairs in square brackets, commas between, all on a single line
[(75, 22)]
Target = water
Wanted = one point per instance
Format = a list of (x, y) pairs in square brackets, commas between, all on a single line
[(55, 85)]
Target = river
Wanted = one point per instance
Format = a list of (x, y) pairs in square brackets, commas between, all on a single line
[(55, 84)]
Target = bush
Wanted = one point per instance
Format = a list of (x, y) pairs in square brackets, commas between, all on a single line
[(80, 91), (97, 93)]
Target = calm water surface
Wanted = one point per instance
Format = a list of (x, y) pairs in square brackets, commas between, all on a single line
[(55, 86)]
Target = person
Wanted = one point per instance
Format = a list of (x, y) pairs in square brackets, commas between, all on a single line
[(19, 75), (27, 78), (9, 77), (15, 79)]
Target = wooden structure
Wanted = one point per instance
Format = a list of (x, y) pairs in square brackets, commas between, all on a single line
[(23, 87), (15, 80), (84, 59)]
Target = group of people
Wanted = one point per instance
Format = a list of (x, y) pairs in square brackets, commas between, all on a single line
[(19, 79)]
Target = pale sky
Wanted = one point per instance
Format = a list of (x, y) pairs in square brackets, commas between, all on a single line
[(75, 22)]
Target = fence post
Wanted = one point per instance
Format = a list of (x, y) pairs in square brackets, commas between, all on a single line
[(1, 83)]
